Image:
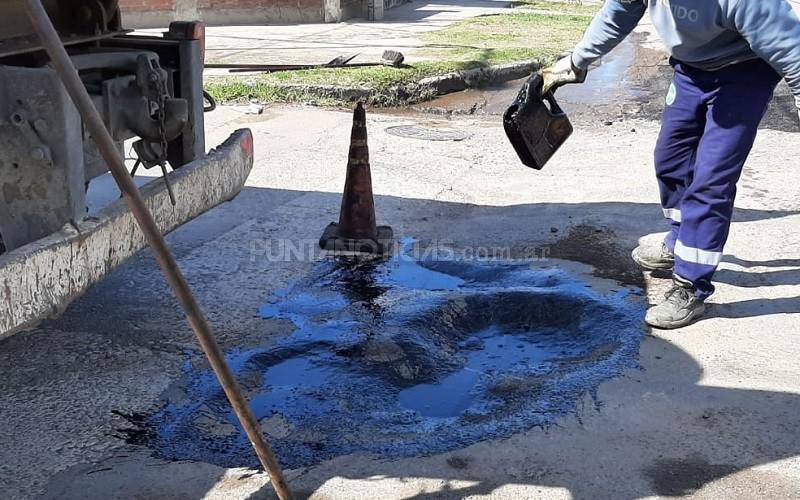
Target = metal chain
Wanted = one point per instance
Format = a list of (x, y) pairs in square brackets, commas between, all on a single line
[(161, 115), (160, 85)]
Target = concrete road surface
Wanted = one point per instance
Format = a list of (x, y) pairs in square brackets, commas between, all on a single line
[(711, 411)]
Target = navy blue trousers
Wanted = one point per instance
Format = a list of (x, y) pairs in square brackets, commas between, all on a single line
[(707, 131)]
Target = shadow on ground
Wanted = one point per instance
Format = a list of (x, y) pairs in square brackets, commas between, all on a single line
[(693, 436)]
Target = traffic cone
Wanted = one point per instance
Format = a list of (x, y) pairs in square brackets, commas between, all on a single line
[(357, 230)]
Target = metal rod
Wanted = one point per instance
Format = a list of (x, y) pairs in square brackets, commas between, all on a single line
[(260, 66), (339, 62), (276, 68), (69, 76)]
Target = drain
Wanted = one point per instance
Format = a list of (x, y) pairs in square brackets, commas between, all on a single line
[(428, 133), (403, 358)]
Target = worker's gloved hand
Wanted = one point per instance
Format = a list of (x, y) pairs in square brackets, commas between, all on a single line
[(797, 103), (561, 73)]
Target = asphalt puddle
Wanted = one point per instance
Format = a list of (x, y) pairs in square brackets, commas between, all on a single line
[(403, 357)]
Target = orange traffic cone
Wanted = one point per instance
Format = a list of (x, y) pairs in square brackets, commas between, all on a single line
[(357, 230)]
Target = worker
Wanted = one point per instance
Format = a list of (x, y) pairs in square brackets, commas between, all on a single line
[(728, 56)]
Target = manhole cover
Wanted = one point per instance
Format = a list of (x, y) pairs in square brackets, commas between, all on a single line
[(403, 358), (428, 133)]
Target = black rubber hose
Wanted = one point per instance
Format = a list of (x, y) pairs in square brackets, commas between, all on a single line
[(212, 104)]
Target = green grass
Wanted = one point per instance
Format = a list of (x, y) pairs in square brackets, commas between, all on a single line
[(507, 37), (376, 77), (569, 6), (473, 43), (383, 82)]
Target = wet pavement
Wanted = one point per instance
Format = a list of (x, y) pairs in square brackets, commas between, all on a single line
[(402, 357), (625, 84), (631, 82)]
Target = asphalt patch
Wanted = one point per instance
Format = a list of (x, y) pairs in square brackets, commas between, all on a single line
[(400, 357)]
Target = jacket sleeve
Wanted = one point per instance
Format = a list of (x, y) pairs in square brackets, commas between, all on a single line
[(610, 26), (772, 29)]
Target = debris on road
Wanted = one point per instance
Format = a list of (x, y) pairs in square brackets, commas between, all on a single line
[(253, 108), (391, 58)]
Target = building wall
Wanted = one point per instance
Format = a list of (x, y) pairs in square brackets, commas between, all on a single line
[(353, 8), (159, 13)]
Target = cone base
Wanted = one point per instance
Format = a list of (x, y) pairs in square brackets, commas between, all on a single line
[(333, 242)]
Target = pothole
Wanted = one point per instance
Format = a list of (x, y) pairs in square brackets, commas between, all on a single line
[(402, 358)]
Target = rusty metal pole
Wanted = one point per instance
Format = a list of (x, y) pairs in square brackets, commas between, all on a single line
[(69, 76)]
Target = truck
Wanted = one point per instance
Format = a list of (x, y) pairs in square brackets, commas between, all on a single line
[(149, 91)]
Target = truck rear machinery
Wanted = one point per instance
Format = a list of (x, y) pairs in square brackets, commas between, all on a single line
[(149, 91)]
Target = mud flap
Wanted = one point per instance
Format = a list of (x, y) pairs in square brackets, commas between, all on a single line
[(39, 280)]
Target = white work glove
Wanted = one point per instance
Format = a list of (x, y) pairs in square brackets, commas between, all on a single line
[(561, 73), (797, 103)]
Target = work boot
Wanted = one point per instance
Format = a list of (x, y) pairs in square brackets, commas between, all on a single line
[(653, 257), (680, 308)]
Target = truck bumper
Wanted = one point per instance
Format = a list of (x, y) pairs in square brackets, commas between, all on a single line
[(39, 280)]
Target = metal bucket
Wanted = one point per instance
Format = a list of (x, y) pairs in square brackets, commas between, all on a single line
[(535, 124)]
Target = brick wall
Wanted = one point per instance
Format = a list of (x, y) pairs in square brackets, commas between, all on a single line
[(166, 5), (146, 5), (159, 13)]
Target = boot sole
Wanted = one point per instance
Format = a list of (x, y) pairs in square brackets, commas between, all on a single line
[(665, 266), (673, 325)]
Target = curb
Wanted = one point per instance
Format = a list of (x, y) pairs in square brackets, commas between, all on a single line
[(478, 77), (426, 88), (329, 91)]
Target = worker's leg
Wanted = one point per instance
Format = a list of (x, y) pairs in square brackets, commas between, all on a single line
[(682, 125), (736, 99), (735, 109)]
